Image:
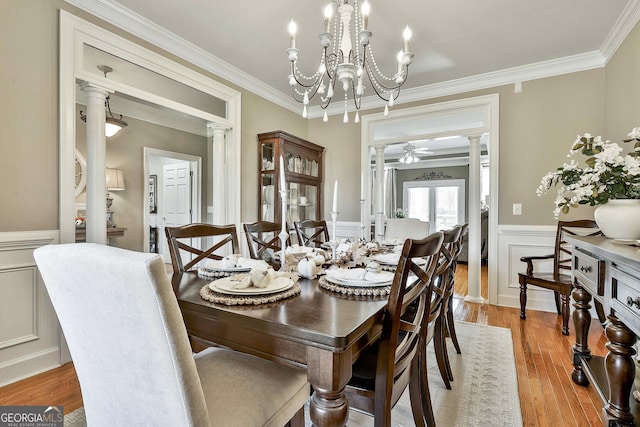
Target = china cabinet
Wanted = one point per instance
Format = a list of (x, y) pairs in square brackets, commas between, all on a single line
[(302, 164)]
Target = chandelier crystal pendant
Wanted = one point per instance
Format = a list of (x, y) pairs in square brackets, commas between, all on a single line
[(347, 61)]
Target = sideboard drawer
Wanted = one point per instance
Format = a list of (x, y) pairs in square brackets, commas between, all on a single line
[(589, 272), (625, 292)]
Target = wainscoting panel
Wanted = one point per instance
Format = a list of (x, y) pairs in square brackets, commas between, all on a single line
[(30, 338), (515, 242)]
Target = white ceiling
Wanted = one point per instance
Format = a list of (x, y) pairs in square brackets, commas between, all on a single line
[(459, 45)]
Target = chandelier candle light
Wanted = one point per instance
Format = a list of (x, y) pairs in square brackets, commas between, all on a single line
[(284, 233), (346, 60)]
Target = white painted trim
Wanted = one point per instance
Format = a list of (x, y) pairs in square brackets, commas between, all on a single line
[(489, 104), (139, 26), (16, 240), (74, 32), (24, 356), (625, 24)]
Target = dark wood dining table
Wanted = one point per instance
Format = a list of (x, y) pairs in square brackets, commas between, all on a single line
[(318, 329)]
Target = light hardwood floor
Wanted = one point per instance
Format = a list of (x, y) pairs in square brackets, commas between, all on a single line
[(548, 397)]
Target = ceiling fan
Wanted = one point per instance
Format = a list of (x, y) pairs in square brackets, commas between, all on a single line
[(410, 151)]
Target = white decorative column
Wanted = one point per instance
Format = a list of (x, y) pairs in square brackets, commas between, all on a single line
[(379, 190), (475, 238), (218, 167), (96, 161)]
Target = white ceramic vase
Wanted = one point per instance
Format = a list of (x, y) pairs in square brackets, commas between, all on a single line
[(619, 218)]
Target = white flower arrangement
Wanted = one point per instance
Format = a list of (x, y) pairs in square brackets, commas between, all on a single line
[(609, 174)]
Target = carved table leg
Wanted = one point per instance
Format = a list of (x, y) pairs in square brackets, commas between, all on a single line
[(621, 370), (581, 323), (328, 373)]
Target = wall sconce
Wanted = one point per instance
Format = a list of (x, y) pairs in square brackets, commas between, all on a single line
[(115, 182), (112, 125)]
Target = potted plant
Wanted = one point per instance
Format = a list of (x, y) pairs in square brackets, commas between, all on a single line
[(609, 179)]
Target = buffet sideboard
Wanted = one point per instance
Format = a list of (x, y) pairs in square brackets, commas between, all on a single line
[(608, 273)]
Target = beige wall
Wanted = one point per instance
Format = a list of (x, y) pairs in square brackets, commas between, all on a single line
[(537, 129), (537, 126), (126, 151), (622, 112)]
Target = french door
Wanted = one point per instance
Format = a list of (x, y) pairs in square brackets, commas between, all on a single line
[(441, 202)]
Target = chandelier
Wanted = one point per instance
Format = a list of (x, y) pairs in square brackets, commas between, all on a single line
[(347, 61)]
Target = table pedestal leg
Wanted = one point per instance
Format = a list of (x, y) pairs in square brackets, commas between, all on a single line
[(328, 373), (328, 408), (581, 323), (621, 370)]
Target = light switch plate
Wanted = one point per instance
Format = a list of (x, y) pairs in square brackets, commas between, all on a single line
[(517, 208)]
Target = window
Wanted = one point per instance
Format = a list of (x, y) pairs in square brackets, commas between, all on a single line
[(440, 202)]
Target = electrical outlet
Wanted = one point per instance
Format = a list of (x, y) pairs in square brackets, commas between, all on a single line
[(517, 208)]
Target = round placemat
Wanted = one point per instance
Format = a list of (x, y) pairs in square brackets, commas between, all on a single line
[(220, 298), (206, 273), (355, 291)]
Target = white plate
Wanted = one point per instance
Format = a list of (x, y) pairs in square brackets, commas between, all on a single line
[(386, 259), (228, 270), (226, 286), (357, 283)]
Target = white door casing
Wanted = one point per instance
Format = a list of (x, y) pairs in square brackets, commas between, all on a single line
[(176, 201)]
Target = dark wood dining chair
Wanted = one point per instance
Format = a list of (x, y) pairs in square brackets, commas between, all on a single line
[(445, 272), (559, 280), (226, 235), (311, 233), (263, 240), (387, 367)]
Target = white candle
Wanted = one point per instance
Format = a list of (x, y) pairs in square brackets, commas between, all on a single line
[(293, 28), (365, 15), (335, 197), (406, 35), (282, 183)]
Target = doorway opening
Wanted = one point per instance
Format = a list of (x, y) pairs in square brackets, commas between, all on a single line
[(177, 195), (477, 120)]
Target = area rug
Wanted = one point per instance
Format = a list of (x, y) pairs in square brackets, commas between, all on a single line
[(484, 391)]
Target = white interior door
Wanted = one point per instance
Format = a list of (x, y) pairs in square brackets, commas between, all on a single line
[(176, 201), (440, 202)]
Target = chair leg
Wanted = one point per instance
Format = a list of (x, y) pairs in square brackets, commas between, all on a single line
[(297, 420), (565, 314), (523, 299), (440, 349), (451, 327), (415, 392), (556, 294), (427, 409)]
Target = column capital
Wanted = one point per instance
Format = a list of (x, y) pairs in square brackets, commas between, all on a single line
[(379, 148), (92, 88), (474, 138), (212, 127)]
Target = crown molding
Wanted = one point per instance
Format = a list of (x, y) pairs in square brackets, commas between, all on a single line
[(625, 24), (538, 70), (137, 25)]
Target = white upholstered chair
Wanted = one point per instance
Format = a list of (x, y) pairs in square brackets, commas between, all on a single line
[(130, 349), (406, 228)]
